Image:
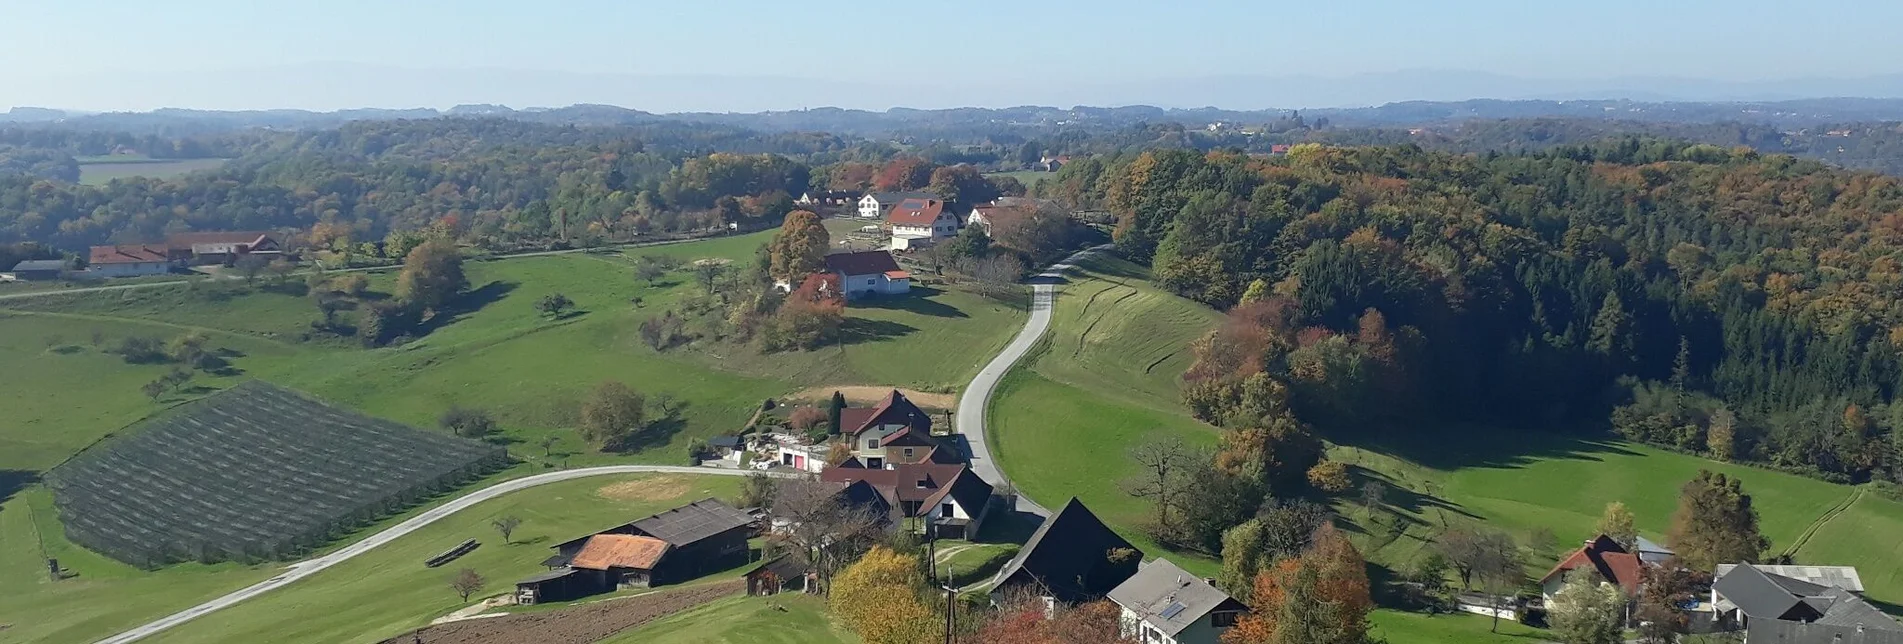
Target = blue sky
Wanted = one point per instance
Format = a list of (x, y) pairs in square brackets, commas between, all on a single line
[(973, 41)]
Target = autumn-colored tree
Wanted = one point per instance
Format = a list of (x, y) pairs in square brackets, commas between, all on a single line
[(903, 173), (1587, 610), (805, 418), (1617, 522), (961, 184), (1715, 523), (878, 598), (1329, 476), (1021, 620), (1321, 597), (432, 276), (810, 317), (838, 453), (799, 248)]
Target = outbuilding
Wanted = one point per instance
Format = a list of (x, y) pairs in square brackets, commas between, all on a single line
[(776, 576), (39, 269)]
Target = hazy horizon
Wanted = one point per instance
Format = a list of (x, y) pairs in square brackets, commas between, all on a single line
[(229, 54)]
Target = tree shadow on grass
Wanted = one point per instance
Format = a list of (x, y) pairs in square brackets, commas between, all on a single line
[(12, 481), (860, 330), (1397, 497), (1479, 446), (465, 305), (920, 300), (657, 433)]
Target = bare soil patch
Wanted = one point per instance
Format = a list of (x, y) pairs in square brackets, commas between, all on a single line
[(863, 395), (576, 625), (653, 488)]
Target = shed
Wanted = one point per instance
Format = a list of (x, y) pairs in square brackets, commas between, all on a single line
[(561, 584), (775, 576), (39, 269), (1073, 557)]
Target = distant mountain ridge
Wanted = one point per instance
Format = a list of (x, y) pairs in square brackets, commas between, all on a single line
[(1791, 113)]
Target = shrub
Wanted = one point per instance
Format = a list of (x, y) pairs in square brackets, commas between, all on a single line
[(806, 418)]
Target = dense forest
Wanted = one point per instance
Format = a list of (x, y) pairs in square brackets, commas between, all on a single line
[(1707, 299)]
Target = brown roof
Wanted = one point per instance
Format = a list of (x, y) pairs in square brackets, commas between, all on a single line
[(1606, 557), (907, 482), (604, 551), (130, 254), (853, 418), (225, 237), (894, 409), (916, 212), (908, 437), (869, 262)]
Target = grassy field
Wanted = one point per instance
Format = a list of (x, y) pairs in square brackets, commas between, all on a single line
[(745, 620), (1403, 627), (1104, 379), (1027, 177), (529, 371), (95, 171)]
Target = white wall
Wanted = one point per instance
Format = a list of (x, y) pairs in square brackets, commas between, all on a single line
[(132, 269), (870, 208)]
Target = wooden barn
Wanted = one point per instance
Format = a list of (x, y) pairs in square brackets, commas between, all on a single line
[(702, 537), (777, 576)]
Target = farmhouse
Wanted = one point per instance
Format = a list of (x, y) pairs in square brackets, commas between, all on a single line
[(1164, 603), (39, 269), (670, 547), (220, 247), (1601, 555), (828, 198), (951, 499), (871, 272), (920, 222), (128, 261), (875, 205), (891, 432), (1073, 557)]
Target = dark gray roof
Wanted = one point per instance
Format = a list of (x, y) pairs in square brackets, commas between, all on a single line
[(887, 198), (1847, 609), (547, 576), (1069, 556), (1758, 595), (1771, 631), (692, 522), (41, 265), (1168, 597), (782, 567), (1844, 577)]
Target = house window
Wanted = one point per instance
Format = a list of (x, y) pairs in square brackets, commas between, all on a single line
[(872, 443), (1151, 634), (945, 510), (908, 453), (871, 280), (1224, 618)]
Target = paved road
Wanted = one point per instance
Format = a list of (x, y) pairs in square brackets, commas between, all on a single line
[(310, 567), (976, 398)]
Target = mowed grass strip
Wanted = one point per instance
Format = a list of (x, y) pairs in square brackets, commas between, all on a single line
[(388, 591), (786, 618)]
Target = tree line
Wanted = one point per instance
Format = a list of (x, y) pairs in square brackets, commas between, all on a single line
[(1724, 301)]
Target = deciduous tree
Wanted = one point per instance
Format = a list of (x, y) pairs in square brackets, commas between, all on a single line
[(1715, 523), (506, 524), (432, 276), (612, 413), (878, 598), (466, 582), (1617, 522), (799, 248), (1587, 610)]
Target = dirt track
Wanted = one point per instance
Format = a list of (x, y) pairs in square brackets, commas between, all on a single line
[(578, 625), (868, 395)]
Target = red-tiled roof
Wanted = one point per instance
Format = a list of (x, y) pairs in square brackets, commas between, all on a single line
[(871, 262), (853, 418), (604, 551), (916, 212), (132, 254), (1606, 557), (894, 409)]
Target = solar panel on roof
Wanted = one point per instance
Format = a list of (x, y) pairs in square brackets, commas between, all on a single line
[(1174, 609)]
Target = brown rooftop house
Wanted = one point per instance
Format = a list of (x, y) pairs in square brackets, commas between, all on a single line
[(671, 547), (872, 272), (1602, 556), (893, 432), (1072, 558), (221, 247), (950, 500), (921, 222), (128, 260)]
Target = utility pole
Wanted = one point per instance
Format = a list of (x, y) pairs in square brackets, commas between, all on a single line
[(951, 606)]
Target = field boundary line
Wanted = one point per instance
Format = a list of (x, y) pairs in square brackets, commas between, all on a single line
[(1832, 513)]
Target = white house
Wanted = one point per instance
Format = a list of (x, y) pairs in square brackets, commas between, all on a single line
[(1165, 604), (875, 204), (800, 456), (871, 272), (981, 216), (919, 222), (128, 261)]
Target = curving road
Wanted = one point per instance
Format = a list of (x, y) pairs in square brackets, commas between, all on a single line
[(310, 567), (970, 422), (976, 399)]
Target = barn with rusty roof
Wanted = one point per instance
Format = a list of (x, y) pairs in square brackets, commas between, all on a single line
[(670, 547)]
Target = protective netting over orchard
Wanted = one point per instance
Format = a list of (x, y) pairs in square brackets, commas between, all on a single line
[(253, 473)]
